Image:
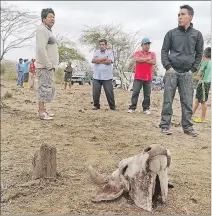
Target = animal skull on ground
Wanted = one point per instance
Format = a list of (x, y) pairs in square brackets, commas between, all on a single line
[(144, 177)]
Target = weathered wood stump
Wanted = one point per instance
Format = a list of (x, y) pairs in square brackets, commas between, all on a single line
[(44, 163)]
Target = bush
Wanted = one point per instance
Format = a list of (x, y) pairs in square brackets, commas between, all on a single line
[(2, 69), (7, 95), (8, 71), (10, 75)]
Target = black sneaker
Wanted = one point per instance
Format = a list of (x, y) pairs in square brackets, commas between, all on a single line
[(166, 131), (114, 109), (96, 108), (192, 133)]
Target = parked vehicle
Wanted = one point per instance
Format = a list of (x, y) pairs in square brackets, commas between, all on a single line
[(116, 82), (81, 77), (128, 78), (157, 83)]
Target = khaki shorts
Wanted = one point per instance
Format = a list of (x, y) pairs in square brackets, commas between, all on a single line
[(46, 88)]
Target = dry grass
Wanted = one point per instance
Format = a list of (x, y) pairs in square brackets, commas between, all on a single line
[(99, 138)]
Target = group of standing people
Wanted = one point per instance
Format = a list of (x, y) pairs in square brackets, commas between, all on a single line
[(181, 55), (26, 73)]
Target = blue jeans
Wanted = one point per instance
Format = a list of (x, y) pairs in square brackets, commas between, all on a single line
[(184, 83), (20, 78), (137, 85)]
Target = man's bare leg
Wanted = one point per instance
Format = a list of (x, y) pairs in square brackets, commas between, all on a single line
[(65, 85), (195, 106), (204, 109), (41, 106), (69, 85)]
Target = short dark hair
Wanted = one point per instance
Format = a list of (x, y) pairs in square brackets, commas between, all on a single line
[(189, 8), (207, 52), (45, 12), (103, 40), (20, 59)]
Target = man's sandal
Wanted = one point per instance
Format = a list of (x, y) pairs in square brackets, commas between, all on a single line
[(45, 116), (197, 120), (49, 114)]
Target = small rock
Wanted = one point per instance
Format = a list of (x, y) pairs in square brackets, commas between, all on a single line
[(94, 138), (27, 101), (194, 200)]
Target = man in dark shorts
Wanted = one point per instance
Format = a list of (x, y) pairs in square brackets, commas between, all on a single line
[(203, 88), (68, 75)]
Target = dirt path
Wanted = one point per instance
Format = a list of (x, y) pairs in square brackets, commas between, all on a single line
[(99, 138)]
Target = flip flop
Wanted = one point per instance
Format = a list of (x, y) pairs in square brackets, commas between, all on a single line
[(49, 114), (194, 118), (45, 116), (198, 120)]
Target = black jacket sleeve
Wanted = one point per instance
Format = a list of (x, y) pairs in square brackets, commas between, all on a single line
[(165, 51), (199, 52)]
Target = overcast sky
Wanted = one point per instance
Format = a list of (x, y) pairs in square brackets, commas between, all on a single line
[(154, 18)]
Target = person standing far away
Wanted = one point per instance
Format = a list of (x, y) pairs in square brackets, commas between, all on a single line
[(203, 88), (181, 55), (32, 74), (143, 76), (26, 72), (68, 75), (20, 71), (103, 75), (47, 59)]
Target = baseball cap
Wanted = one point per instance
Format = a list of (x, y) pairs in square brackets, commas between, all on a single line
[(145, 40)]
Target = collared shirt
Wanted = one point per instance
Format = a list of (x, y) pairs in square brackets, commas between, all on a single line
[(103, 71), (20, 67), (32, 67), (143, 71)]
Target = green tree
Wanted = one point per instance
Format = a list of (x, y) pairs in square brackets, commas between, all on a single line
[(68, 50), (66, 54)]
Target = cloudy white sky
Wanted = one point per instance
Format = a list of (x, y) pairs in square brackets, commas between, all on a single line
[(153, 18)]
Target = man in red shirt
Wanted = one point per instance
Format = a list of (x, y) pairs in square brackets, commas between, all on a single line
[(32, 74), (143, 76)]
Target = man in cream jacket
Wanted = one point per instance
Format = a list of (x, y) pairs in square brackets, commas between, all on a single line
[(47, 59)]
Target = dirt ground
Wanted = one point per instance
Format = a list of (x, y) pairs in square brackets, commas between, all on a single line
[(101, 138)]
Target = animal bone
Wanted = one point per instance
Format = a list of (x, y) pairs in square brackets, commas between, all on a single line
[(143, 176), (97, 178)]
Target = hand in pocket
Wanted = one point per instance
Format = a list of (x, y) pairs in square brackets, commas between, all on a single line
[(170, 70)]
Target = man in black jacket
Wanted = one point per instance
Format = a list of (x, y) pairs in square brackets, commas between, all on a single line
[(181, 55)]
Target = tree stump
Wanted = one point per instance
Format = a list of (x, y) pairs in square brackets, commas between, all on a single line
[(44, 162)]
